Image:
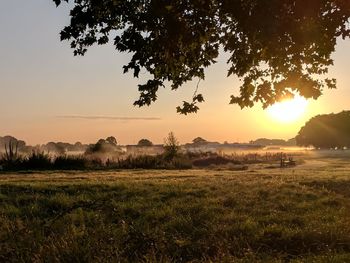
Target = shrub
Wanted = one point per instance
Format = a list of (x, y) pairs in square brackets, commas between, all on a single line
[(140, 162), (214, 160), (37, 161), (10, 159), (70, 163), (151, 162), (180, 162)]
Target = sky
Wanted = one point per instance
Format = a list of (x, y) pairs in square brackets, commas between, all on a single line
[(47, 94)]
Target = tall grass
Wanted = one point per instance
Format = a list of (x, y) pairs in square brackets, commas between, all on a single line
[(43, 161), (152, 162), (37, 160)]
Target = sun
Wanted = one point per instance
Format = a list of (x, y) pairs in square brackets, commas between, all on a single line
[(289, 110)]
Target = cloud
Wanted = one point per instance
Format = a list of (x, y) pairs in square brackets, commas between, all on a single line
[(109, 118)]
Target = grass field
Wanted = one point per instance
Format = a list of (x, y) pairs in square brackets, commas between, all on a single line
[(258, 215)]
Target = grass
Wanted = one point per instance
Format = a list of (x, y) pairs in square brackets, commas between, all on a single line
[(289, 215)]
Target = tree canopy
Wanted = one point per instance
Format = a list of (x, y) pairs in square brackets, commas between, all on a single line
[(171, 146), (144, 142), (276, 47), (104, 146), (199, 140), (326, 131)]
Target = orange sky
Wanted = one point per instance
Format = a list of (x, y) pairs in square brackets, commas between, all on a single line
[(41, 81)]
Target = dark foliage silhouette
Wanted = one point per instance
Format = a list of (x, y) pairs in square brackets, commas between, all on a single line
[(326, 131), (277, 48), (11, 158), (70, 163), (144, 142), (199, 141), (112, 140), (104, 146)]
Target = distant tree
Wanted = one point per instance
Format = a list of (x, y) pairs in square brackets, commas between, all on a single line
[(276, 48), (95, 148), (326, 131), (78, 146), (10, 139), (267, 142), (144, 142), (199, 140), (101, 141), (11, 151), (291, 142), (171, 146), (53, 147), (104, 146), (112, 140)]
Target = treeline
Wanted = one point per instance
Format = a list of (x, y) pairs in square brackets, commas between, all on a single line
[(52, 147), (12, 160), (326, 131), (102, 146), (274, 142), (171, 158)]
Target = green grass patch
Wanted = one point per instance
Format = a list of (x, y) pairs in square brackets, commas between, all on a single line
[(176, 216)]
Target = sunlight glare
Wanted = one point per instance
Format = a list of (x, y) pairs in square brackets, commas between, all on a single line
[(289, 110)]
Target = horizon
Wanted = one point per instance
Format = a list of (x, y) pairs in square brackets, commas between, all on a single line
[(154, 142)]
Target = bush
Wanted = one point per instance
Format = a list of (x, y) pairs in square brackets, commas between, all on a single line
[(37, 161), (180, 162), (140, 162), (151, 162), (70, 163), (214, 160)]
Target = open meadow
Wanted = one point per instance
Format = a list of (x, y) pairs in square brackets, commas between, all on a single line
[(299, 214)]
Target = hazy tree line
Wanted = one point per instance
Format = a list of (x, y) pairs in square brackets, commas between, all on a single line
[(322, 131), (52, 147), (270, 142), (106, 154), (7, 139), (109, 144)]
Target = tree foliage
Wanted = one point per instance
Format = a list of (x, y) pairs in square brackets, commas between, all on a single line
[(112, 140), (104, 146), (199, 140), (144, 142), (7, 140), (276, 47), (171, 146), (326, 131)]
